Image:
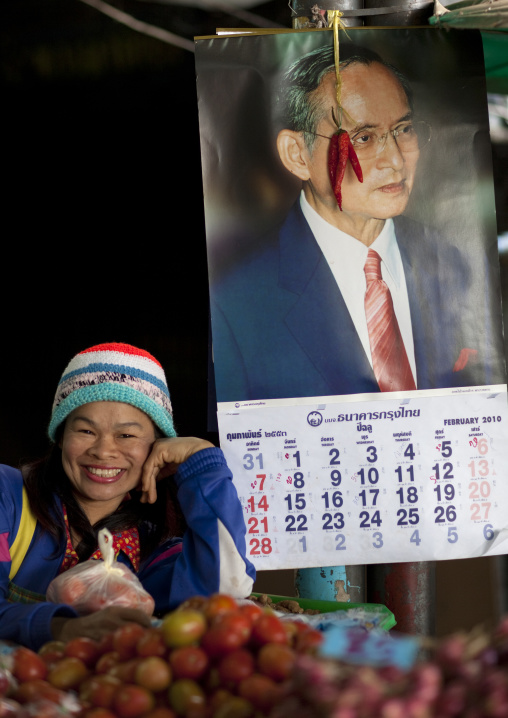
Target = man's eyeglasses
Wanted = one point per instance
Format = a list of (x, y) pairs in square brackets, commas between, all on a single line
[(409, 137)]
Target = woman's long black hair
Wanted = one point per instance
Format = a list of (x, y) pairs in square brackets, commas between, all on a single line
[(46, 481)]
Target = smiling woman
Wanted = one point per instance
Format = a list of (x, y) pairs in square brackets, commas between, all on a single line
[(104, 448), (115, 462)]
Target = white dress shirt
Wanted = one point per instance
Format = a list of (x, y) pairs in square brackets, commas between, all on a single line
[(346, 257)]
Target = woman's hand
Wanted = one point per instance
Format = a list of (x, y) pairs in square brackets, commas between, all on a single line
[(164, 460), (97, 624)]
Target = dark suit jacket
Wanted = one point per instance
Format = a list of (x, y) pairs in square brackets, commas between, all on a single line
[(281, 328)]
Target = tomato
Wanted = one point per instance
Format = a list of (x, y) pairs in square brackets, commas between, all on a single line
[(276, 661), (99, 713), (308, 641), (219, 604), (197, 603), (125, 639), (189, 662), (11, 709), (84, 648), (52, 651), (235, 707), (217, 698), (184, 694), (5, 682), (219, 641), (71, 590), (32, 691), (183, 627), (227, 633), (151, 643), (125, 670), (105, 644), (133, 701), (107, 661), (99, 690), (260, 690), (236, 622), (146, 603), (236, 666), (67, 673), (252, 610), (160, 713), (27, 665), (269, 629), (153, 673)]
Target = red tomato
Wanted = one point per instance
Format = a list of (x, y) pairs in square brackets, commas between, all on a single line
[(269, 629), (5, 682), (276, 661), (219, 641), (236, 622), (217, 698), (11, 709), (189, 662), (260, 690), (126, 670), (106, 643), (236, 666), (146, 603), (71, 590), (252, 610), (307, 641), (133, 701), (99, 691), (107, 661), (99, 713), (227, 633), (218, 604), (185, 694), (235, 707), (151, 643), (153, 673), (67, 673), (160, 713), (51, 651), (183, 627), (31, 691), (84, 648), (125, 639), (27, 665)]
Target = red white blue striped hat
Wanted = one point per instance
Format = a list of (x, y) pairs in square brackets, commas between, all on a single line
[(114, 372)]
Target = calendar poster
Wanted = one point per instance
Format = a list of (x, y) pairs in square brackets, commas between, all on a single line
[(363, 482), (333, 467)]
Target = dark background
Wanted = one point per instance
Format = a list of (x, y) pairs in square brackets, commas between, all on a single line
[(102, 222)]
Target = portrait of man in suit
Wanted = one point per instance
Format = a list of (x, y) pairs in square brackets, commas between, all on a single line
[(358, 299)]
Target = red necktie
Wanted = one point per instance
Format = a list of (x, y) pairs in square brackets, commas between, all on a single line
[(389, 358)]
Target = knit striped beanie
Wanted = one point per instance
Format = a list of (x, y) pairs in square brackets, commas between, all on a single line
[(114, 372)]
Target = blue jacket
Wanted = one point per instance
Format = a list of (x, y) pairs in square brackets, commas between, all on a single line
[(281, 327), (211, 556)]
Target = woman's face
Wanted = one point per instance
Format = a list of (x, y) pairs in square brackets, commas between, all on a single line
[(104, 447)]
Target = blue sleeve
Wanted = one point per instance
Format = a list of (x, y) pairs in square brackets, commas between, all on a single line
[(28, 624), (212, 555)]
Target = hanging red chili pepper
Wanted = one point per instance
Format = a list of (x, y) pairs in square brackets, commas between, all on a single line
[(333, 157), (355, 161), (340, 151)]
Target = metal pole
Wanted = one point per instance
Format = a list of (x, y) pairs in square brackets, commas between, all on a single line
[(408, 590)]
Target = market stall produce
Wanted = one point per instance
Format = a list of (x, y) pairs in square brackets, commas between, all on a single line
[(219, 658)]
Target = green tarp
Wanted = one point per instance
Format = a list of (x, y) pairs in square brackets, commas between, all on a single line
[(495, 48)]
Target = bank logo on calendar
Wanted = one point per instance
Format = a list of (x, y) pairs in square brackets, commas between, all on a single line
[(315, 418)]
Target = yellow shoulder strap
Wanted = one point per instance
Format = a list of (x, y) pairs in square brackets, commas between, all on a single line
[(23, 538)]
